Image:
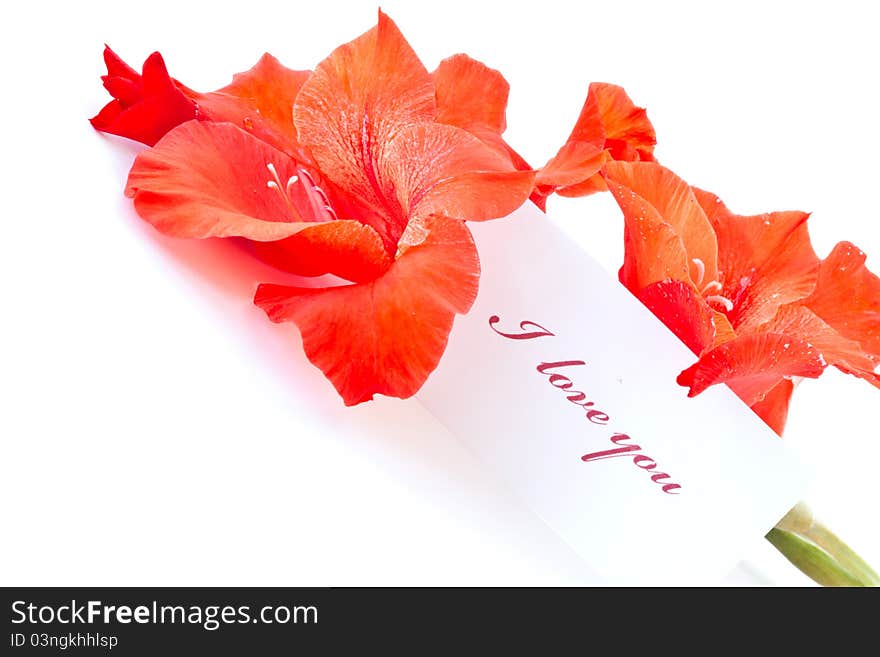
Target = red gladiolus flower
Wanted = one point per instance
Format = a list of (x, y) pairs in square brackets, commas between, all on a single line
[(468, 95), (747, 294), (369, 177)]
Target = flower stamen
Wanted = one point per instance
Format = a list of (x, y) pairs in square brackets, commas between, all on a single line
[(712, 290), (274, 172), (719, 299), (324, 202), (290, 182), (711, 286), (701, 270), (283, 191)]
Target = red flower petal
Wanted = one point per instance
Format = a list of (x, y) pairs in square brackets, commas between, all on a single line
[(470, 95), (387, 336), (847, 355), (210, 180), (116, 67), (608, 122), (765, 261), (753, 364), (723, 330), (652, 250), (260, 100), (589, 186), (576, 162), (628, 133), (773, 409), (590, 126), (440, 169), (146, 106), (847, 297), (666, 228), (648, 190), (683, 311), (354, 104), (348, 249)]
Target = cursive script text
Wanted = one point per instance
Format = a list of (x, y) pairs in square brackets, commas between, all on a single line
[(559, 375)]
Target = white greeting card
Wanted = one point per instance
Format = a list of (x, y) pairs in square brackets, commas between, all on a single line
[(562, 382)]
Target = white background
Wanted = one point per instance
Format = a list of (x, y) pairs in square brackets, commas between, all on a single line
[(157, 429)]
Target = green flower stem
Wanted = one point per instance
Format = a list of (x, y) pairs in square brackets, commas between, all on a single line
[(817, 552)]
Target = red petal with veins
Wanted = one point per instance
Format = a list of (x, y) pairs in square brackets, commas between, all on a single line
[(765, 261), (773, 409), (440, 169), (847, 297), (470, 94), (647, 191), (683, 311), (386, 336), (845, 354), (210, 180), (355, 103), (145, 106), (653, 249), (753, 364)]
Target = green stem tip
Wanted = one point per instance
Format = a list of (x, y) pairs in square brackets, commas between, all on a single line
[(817, 552)]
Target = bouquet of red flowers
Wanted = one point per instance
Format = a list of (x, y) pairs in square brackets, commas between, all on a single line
[(362, 174)]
